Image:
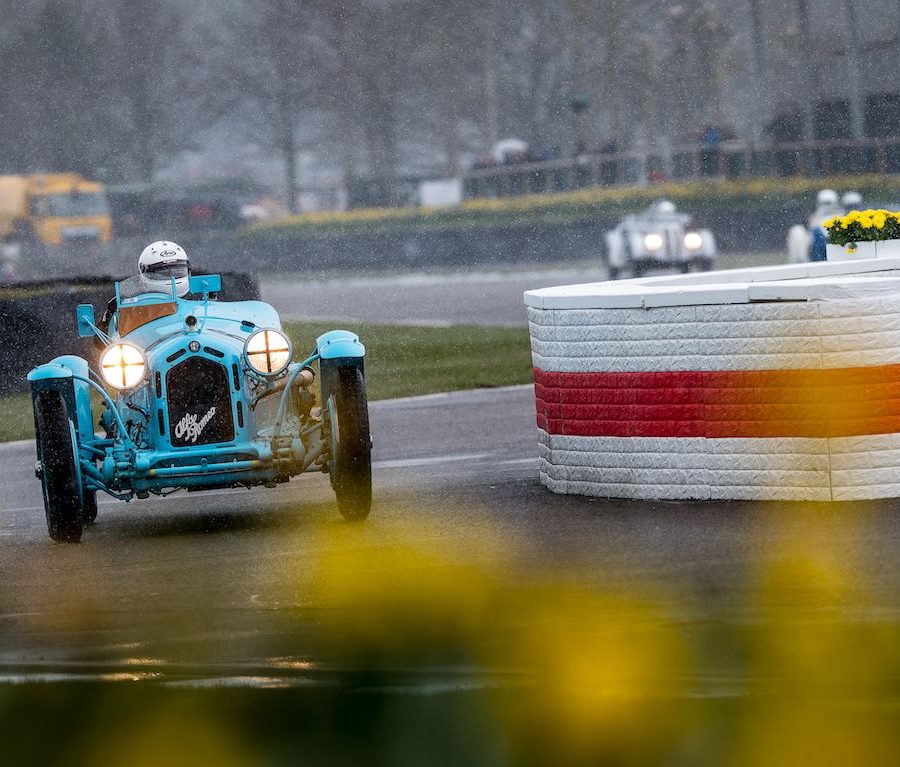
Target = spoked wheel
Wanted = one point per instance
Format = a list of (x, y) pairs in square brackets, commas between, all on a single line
[(60, 480), (351, 445)]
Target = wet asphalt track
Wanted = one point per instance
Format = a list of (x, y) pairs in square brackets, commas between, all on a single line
[(217, 585), (476, 297), (211, 578), (480, 298)]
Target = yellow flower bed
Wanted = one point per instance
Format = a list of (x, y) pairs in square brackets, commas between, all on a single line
[(863, 226)]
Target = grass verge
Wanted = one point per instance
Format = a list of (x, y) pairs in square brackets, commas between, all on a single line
[(401, 361), (16, 419)]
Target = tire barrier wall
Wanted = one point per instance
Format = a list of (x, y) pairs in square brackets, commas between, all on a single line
[(38, 320), (210, 251), (761, 229), (484, 247), (778, 383)]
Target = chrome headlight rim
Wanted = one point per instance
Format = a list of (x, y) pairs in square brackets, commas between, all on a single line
[(654, 242), (693, 241), (127, 381), (251, 353)]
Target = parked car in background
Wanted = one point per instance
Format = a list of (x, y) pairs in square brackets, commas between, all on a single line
[(53, 209), (658, 238)]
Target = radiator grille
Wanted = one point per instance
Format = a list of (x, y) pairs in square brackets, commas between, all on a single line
[(199, 401)]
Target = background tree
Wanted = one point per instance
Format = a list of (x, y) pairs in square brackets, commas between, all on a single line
[(382, 88), (53, 92), (262, 68), (147, 61)]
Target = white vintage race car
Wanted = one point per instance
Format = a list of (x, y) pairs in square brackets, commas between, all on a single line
[(658, 238)]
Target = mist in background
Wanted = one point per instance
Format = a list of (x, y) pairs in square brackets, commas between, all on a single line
[(294, 94)]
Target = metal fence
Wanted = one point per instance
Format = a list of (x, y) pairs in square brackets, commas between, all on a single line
[(728, 159)]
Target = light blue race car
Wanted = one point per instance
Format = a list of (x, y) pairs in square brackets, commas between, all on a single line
[(196, 394)]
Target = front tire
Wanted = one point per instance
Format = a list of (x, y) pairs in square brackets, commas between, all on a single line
[(351, 444), (60, 481)]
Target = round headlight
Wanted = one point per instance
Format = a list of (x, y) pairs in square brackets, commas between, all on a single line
[(268, 352), (123, 366), (693, 241), (653, 241)]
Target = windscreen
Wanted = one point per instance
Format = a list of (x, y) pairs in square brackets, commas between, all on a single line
[(135, 289), (70, 205)]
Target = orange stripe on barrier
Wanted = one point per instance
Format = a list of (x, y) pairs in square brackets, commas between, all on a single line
[(841, 402)]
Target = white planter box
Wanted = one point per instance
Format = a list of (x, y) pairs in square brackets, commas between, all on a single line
[(851, 252), (861, 250), (887, 248)]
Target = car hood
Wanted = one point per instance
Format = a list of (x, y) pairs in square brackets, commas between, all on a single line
[(230, 321)]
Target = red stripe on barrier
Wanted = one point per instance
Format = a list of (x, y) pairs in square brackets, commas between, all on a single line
[(841, 402)]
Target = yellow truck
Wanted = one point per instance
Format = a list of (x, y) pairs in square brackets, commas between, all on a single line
[(53, 209)]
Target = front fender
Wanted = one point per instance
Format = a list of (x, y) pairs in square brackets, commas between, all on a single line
[(709, 249), (339, 344), (337, 349), (58, 375), (615, 249)]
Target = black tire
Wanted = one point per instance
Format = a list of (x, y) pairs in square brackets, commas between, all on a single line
[(638, 269), (89, 507), (614, 272), (704, 264), (351, 444), (685, 267), (59, 469)]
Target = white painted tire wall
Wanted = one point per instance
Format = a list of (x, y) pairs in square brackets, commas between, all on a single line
[(806, 317)]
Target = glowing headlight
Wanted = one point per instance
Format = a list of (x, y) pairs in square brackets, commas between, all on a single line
[(653, 241), (123, 366), (693, 241), (268, 352)]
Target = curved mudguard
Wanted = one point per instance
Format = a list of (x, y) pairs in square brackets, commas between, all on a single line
[(708, 249), (337, 348), (339, 344), (615, 249), (57, 375)]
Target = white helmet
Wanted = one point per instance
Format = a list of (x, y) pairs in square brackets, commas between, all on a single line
[(851, 199), (827, 197), (160, 262), (666, 207)]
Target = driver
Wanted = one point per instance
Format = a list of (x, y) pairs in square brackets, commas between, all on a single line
[(664, 208), (158, 264)]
